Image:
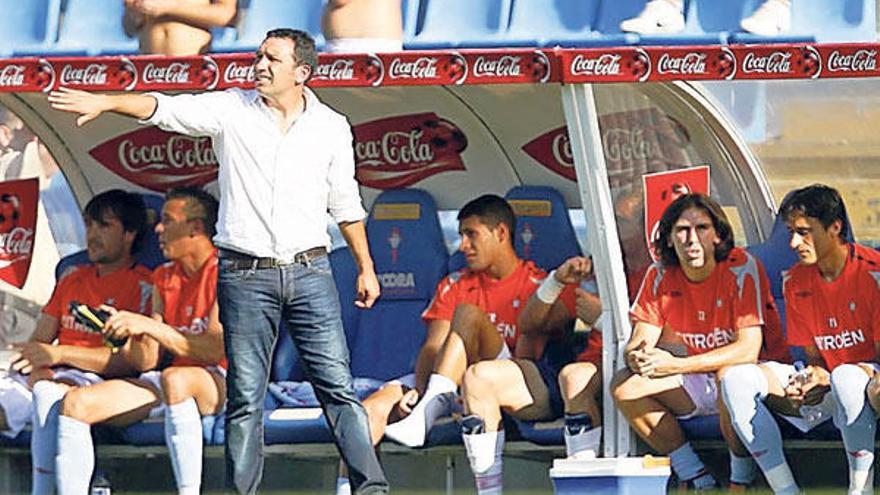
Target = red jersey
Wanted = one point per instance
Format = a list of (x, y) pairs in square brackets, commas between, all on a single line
[(187, 301), (706, 315), (125, 289), (838, 317), (593, 352), (502, 300)]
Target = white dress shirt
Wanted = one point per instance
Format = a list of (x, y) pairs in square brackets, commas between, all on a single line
[(276, 188)]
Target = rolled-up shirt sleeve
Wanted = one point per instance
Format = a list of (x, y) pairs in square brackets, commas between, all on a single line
[(344, 200), (191, 115)]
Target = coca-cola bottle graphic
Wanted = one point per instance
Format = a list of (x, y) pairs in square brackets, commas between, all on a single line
[(10, 205), (443, 136)]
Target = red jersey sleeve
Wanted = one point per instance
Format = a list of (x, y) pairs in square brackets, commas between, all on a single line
[(446, 298), (797, 327), (54, 307), (647, 307), (748, 303)]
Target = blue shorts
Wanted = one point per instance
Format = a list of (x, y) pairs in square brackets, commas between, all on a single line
[(550, 374)]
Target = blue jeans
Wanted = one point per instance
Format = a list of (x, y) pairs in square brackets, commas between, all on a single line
[(253, 304)]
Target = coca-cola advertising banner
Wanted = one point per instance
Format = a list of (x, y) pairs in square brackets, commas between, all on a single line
[(661, 189), (634, 143), (158, 160), (399, 151), (18, 221), (452, 67)]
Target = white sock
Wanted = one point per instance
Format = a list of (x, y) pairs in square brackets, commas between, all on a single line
[(44, 435), (484, 452), (584, 444), (742, 469), (76, 457), (413, 429), (688, 467), (183, 435), (781, 481), (343, 486)]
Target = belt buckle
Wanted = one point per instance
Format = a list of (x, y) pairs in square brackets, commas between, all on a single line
[(302, 257)]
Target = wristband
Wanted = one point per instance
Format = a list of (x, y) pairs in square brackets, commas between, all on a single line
[(550, 289)]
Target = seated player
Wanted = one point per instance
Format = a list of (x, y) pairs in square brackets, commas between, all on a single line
[(831, 296), (704, 295), (115, 222), (524, 386), (185, 326)]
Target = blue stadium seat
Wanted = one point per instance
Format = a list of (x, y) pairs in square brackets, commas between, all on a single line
[(261, 16), (823, 21), (540, 23), (410, 256), (544, 235), (835, 20), (92, 27), (28, 27), (460, 23), (543, 228), (410, 12)]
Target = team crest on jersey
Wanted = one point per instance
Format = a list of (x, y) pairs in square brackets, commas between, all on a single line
[(516, 303), (189, 311), (110, 301), (852, 306), (832, 322), (701, 315)]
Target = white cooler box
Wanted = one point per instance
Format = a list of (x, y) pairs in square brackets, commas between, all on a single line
[(617, 475)]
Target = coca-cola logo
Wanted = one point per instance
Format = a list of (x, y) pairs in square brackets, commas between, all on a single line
[(174, 73), (400, 151), (16, 243), (607, 64), (18, 219), (420, 68), (90, 75), (632, 138), (159, 160), (774, 63), (859, 61), (688, 64), (504, 66), (238, 73), (339, 70), (12, 75)]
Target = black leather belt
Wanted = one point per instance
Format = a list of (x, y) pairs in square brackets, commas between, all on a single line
[(242, 261)]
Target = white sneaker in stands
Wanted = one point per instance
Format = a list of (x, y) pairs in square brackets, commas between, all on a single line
[(772, 18), (658, 17)]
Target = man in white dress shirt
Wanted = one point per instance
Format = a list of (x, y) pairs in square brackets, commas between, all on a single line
[(285, 160)]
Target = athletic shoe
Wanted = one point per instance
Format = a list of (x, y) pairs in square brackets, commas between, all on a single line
[(772, 18), (658, 17)]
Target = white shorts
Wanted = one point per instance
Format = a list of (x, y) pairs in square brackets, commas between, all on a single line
[(76, 377), (405, 381), (363, 45), (703, 391), (822, 412), (154, 380), (16, 400)]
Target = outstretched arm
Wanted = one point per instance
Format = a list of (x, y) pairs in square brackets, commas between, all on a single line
[(90, 105)]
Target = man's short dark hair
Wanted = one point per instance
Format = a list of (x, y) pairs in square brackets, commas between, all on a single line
[(816, 201), (200, 205), (304, 50), (674, 211), (491, 209), (126, 206)]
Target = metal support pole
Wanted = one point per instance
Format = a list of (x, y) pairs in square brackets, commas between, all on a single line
[(582, 119)]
